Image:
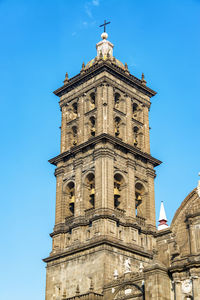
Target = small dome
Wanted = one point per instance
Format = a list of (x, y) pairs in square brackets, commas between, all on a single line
[(105, 57)]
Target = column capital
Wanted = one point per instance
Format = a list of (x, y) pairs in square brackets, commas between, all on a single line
[(151, 172), (59, 171)]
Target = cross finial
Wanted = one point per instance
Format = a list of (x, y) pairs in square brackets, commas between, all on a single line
[(104, 25)]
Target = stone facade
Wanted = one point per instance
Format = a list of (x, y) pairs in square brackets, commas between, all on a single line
[(105, 244)]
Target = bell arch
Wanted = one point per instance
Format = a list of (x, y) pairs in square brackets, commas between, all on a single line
[(69, 195), (116, 100), (140, 199), (92, 125), (92, 100), (119, 191), (117, 123), (74, 137), (138, 137), (75, 109), (89, 190)]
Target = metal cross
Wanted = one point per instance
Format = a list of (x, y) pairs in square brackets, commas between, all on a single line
[(104, 25)]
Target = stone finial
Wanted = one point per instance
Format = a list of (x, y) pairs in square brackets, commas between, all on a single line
[(143, 79), (64, 295), (77, 290), (115, 274), (104, 46), (162, 218), (198, 187), (126, 68), (91, 285), (83, 68), (141, 267), (66, 78)]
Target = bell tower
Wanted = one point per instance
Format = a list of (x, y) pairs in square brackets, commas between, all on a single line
[(105, 207)]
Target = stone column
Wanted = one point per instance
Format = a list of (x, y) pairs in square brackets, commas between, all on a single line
[(196, 286), (104, 182), (79, 205), (157, 283), (150, 199), (59, 217), (130, 209), (110, 105), (178, 291), (146, 130), (63, 129), (129, 124), (100, 93), (81, 120)]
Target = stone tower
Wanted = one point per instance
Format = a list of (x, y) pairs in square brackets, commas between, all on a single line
[(104, 233)]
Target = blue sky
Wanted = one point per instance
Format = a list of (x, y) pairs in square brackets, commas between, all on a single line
[(40, 41)]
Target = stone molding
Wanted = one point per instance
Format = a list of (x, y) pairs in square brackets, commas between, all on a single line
[(97, 69), (113, 140)]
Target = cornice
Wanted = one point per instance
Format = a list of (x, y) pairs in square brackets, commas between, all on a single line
[(104, 137), (98, 83), (110, 68), (103, 241), (180, 267)]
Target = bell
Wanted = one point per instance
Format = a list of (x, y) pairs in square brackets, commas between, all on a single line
[(72, 200), (135, 142), (92, 105), (92, 191), (116, 192), (93, 129), (139, 198)]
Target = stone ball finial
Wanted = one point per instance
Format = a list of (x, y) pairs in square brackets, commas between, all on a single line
[(104, 36)]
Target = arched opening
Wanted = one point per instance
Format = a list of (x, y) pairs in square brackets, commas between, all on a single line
[(90, 190), (118, 187), (139, 199), (135, 110), (75, 109), (71, 196), (92, 100), (117, 126), (117, 100), (92, 126), (74, 135), (135, 136)]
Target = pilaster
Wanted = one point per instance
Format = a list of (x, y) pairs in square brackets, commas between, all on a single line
[(130, 211), (150, 204), (59, 217), (146, 130)]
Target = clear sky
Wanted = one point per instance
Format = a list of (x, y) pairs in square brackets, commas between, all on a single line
[(40, 41)]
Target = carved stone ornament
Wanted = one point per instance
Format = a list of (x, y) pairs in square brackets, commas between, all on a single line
[(187, 286)]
